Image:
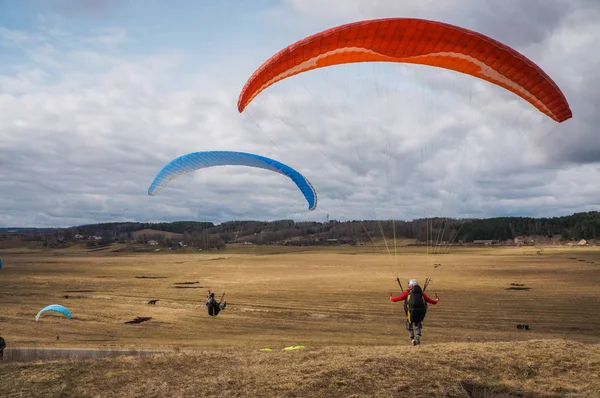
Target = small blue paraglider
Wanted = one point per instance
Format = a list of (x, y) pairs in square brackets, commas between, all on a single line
[(54, 308)]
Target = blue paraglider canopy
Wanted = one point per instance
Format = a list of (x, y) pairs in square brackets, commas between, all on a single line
[(199, 160), (55, 308)]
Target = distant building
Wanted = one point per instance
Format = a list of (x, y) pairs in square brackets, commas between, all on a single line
[(152, 243), (582, 242), (485, 242)]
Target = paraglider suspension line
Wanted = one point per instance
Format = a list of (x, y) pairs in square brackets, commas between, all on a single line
[(427, 281), (400, 284)]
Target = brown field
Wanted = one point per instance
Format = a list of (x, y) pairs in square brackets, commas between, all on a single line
[(333, 301)]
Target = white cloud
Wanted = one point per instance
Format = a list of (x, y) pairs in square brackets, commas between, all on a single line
[(85, 125)]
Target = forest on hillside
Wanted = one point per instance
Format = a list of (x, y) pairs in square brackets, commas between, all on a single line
[(441, 230)]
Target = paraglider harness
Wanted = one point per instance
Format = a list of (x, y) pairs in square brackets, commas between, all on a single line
[(214, 306), (415, 306)]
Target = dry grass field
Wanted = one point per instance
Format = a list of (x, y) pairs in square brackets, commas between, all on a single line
[(333, 301)]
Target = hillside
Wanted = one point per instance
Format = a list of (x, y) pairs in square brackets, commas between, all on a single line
[(154, 233), (436, 231), (536, 368)]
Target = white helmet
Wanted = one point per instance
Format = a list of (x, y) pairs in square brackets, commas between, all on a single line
[(412, 282)]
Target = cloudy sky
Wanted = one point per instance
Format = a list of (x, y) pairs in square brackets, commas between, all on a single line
[(96, 96)]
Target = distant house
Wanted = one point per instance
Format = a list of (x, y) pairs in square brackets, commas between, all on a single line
[(485, 242), (78, 236), (152, 243), (347, 241), (582, 242), (519, 240)]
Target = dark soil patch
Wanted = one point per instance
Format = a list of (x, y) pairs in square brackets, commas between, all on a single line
[(140, 319), (189, 287), (151, 277)]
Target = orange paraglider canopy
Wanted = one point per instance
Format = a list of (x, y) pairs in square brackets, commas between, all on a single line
[(414, 41)]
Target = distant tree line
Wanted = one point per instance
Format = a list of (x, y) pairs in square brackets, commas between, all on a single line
[(575, 227), (208, 235)]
